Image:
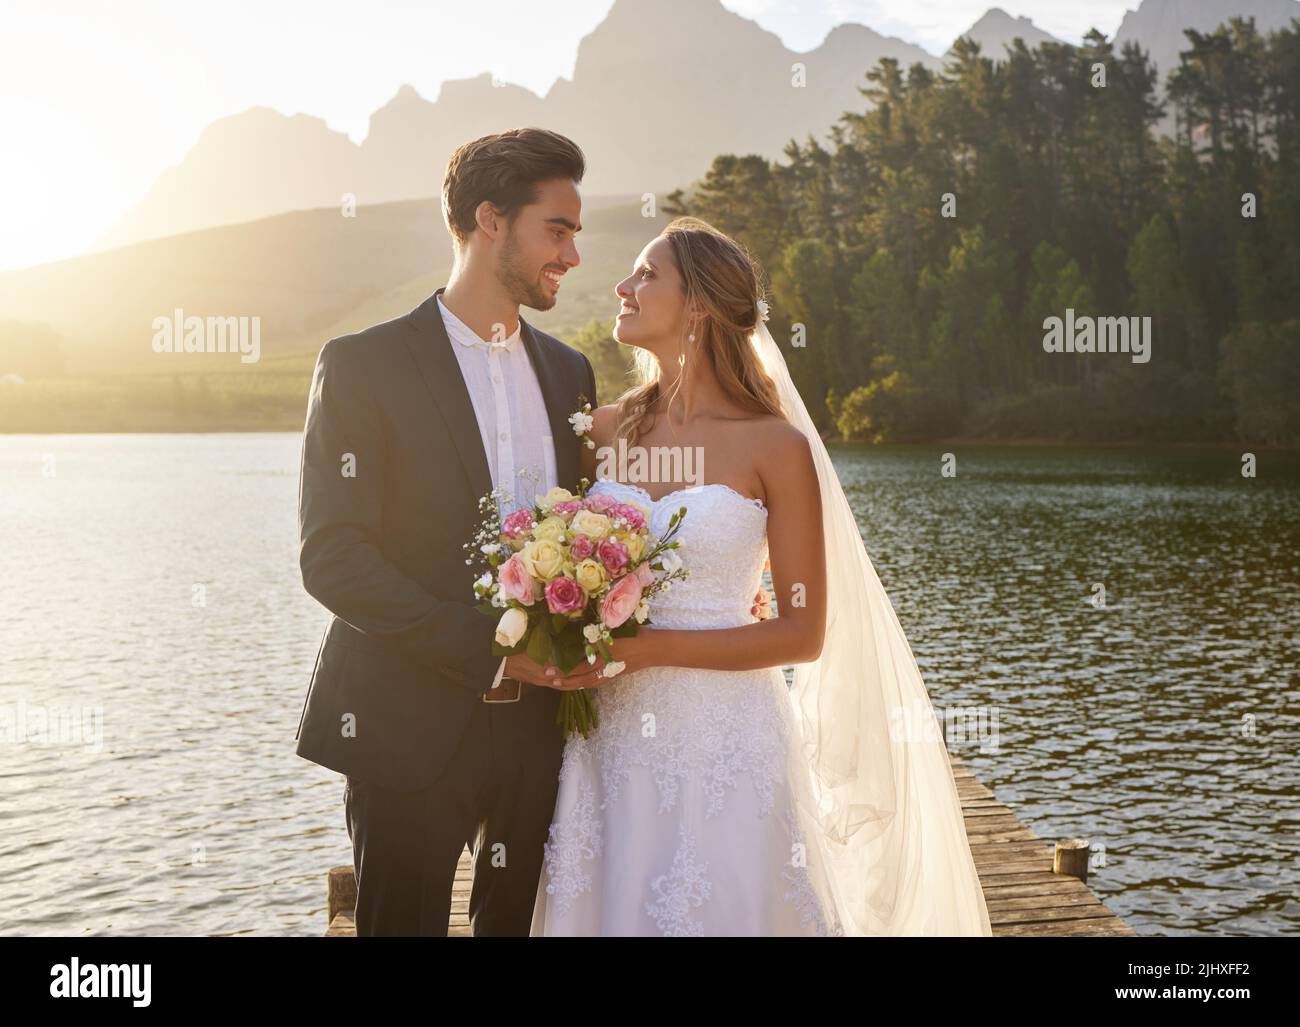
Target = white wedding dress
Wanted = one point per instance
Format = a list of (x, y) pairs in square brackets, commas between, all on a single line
[(714, 802), (678, 815)]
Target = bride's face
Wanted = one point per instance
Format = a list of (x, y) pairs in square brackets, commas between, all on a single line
[(653, 309)]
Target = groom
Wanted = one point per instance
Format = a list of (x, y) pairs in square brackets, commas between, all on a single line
[(409, 423)]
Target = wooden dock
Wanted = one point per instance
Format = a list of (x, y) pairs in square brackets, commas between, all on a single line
[(1032, 887)]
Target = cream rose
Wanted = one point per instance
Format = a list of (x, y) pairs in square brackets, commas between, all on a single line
[(553, 496), (543, 559), (551, 529), (588, 522), (635, 544), (590, 574), (511, 627)]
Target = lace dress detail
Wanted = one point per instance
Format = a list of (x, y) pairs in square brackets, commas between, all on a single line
[(574, 843), (677, 817), (685, 886)]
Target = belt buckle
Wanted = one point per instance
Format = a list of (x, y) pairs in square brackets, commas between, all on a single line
[(507, 690)]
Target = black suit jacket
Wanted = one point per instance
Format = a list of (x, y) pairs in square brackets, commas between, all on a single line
[(406, 656)]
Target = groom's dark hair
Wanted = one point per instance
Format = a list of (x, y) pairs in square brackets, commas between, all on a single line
[(504, 168)]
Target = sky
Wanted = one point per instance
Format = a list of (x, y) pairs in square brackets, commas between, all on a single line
[(97, 99)]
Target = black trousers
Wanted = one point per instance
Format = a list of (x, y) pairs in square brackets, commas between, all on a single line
[(497, 796)]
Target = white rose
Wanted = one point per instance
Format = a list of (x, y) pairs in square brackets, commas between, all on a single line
[(610, 669), (511, 627)]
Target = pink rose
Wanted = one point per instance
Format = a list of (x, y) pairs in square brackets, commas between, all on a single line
[(515, 580), (581, 547), (599, 502), (645, 573), (518, 524), (564, 595), (621, 601), (613, 554), (634, 517), (567, 509)]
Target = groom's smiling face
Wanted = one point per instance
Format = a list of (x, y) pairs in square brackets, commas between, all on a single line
[(538, 246)]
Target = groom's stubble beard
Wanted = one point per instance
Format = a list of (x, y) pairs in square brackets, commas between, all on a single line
[(521, 282)]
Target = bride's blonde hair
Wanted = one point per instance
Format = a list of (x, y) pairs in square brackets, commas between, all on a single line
[(720, 278)]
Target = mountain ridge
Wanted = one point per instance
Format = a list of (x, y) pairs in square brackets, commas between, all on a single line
[(728, 90)]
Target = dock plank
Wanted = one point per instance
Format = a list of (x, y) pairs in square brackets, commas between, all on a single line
[(1024, 895)]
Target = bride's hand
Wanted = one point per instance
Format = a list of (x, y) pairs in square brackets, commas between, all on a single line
[(632, 652), (762, 608)]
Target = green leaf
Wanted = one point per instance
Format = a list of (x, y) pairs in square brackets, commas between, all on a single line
[(539, 647), (571, 652), (500, 650)]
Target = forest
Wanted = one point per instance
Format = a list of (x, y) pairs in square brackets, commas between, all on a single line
[(913, 261)]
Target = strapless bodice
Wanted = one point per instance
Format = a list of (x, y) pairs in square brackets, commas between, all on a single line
[(723, 547)]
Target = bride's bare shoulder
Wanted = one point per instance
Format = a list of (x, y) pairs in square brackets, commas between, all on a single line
[(773, 431), (786, 463), (604, 422)]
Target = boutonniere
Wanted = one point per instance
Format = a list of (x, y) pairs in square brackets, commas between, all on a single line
[(582, 421)]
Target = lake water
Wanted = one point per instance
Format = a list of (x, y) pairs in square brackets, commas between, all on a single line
[(152, 607)]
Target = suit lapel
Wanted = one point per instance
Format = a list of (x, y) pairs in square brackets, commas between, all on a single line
[(431, 349), (559, 405)]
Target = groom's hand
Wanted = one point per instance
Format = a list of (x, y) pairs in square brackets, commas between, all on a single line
[(523, 667)]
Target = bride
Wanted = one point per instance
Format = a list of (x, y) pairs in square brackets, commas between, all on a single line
[(712, 798)]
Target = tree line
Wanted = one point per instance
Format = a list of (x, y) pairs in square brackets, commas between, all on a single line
[(914, 258)]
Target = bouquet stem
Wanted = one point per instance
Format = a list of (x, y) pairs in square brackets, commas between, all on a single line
[(577, 715)]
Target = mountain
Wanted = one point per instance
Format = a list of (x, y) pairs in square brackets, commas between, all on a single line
[(657, 91), (997, 30), (1157, 25), (259, 160), (410, 139), (307, 275), (224, 240)]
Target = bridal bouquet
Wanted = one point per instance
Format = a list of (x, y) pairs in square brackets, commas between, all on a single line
[(567, 577)]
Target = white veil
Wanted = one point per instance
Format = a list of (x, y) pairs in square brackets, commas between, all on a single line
[(883, 806)]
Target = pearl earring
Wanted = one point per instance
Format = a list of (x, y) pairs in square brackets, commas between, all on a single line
[(691, 337)]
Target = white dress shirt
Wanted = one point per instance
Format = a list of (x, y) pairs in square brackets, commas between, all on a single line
[(511, 412)]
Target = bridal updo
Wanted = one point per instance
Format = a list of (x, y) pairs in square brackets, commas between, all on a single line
[(724, 281)]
